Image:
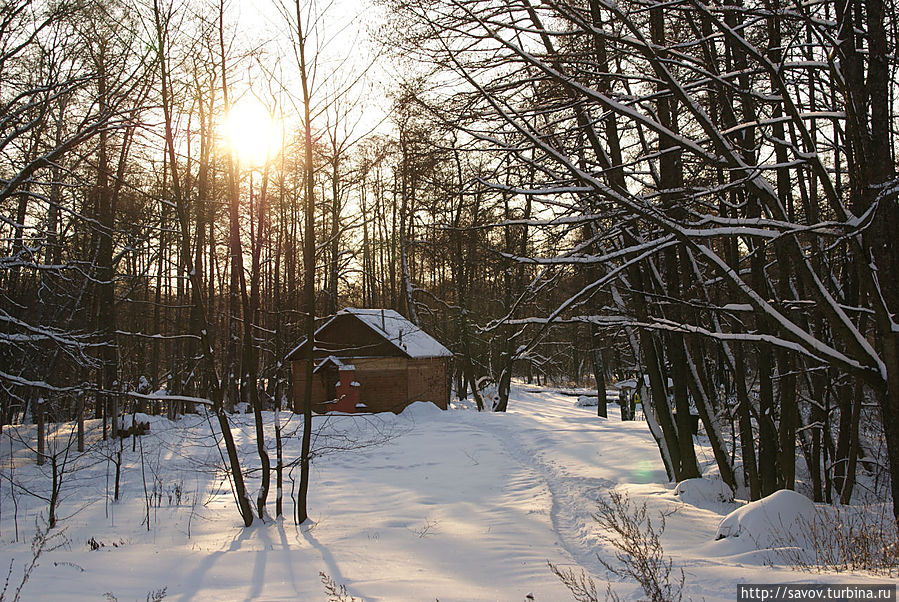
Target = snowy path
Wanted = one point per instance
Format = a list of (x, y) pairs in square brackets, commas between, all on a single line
[(541, 451)]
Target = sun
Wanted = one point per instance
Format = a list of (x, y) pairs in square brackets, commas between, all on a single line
[(254, 135)]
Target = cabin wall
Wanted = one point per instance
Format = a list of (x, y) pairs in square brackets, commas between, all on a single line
[(383, 383), (384, 387), (319, 388), (427, 380), (387, 384)]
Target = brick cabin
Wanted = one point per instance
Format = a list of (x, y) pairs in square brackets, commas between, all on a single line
[(371, 360)]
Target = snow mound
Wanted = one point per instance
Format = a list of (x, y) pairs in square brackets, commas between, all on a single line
[(126, 422), (463, 404), (701, 492), (421, 410), (586, 401), (770, 521)]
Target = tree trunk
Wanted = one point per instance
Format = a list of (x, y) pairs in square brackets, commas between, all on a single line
[(233, 466), (599, 372), (744, 416), (308, 269)]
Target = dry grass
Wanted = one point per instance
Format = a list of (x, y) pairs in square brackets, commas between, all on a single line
[(336, 592), (843, 539)]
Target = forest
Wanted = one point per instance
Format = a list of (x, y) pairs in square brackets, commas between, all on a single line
[(697, 195)]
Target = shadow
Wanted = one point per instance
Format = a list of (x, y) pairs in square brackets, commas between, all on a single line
[(328, 558), (260, 561), (279, 523), (193, 581)]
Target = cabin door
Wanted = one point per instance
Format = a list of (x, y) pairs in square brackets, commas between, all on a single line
[(331, 376)]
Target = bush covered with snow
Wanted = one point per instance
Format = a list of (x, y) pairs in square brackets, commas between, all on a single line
[(767, 521), (128, 424), (701, 492), (586, 401), (421, 410)]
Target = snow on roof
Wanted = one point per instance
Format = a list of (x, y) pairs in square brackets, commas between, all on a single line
[(405, 335), (332, 359), (392, 326)]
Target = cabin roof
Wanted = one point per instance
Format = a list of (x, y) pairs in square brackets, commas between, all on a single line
[(391, 326), (335, 361)]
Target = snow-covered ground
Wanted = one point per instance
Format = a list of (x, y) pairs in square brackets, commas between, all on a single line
[(454, 505)]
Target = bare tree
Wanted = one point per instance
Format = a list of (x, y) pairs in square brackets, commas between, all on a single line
[(691, 174)]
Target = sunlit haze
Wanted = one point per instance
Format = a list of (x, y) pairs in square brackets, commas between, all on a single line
[(253, 134)]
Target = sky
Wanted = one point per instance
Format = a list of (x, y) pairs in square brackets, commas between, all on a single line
[(345, 50)]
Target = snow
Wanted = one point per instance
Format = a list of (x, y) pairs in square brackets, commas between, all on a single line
[(453, 505), (704, 492), (631, 383), (586, 401), (421, 410), (388, 323), (333, 360), (764, 522), (125, 421), (392, 326)]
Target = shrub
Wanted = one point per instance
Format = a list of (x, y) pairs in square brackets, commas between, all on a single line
[(639, 554), (336, 593), (842, 539)]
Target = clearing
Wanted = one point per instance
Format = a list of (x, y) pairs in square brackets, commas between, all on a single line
[(427, 505)]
